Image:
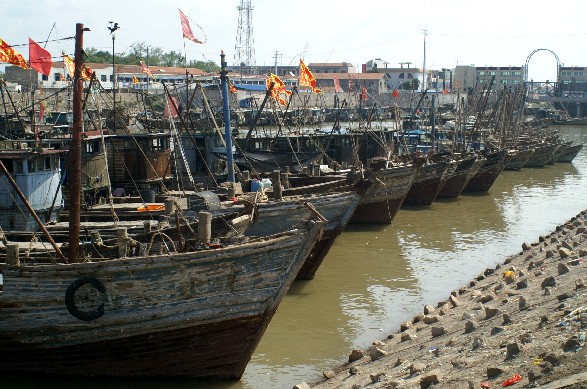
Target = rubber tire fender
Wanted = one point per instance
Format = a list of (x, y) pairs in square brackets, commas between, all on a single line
[(70, 302)]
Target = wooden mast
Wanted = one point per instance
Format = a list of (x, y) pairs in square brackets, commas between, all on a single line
[(75, 149)]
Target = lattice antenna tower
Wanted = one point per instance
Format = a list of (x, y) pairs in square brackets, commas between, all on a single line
[(245, 44)]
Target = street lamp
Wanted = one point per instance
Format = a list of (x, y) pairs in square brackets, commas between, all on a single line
[(113, 27)]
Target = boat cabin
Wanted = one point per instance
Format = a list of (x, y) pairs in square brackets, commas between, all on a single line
[(37, 174)]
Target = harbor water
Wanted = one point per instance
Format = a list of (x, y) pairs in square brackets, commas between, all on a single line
[(376, 277)]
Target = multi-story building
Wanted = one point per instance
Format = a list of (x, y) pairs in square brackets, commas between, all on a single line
[(466, 78), (573, 80), (59, 76)]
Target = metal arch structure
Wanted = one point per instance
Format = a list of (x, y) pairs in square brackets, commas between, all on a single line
[(534, 52)]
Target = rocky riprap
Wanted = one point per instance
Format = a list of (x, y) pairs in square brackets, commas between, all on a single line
[(523, 321)]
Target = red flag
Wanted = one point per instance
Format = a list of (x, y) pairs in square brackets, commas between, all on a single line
[(364, 93), (337, 87), (9, 55), (187, 30), (395, 93), (307, 78), (41, 111), (39, 58)]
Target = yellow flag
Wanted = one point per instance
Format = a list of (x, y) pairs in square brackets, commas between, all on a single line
[(135, 80), (86, 72), (68, 61)]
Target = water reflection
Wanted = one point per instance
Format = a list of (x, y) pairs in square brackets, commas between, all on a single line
[(364, 274)]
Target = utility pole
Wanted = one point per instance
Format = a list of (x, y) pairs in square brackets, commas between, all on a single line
[(424, 63), (275, 56)]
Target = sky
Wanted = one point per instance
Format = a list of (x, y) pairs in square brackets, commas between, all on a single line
[(445, 33)]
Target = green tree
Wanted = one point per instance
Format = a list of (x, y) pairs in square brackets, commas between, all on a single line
[(153, 56), (207, 66), (411, 85), (97, 56)]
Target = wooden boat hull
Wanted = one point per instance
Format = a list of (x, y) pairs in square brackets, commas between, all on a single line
[(198, 315), (488, 172), (277, 216), (459, 178), (519, 159), (384, 198), (542, 155), (570, 153), (428, 182)]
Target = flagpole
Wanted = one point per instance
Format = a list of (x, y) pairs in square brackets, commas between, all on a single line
[(187, 87)]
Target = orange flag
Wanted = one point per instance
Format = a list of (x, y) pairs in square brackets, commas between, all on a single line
[(232, 88), (278, 87), (9, 55), (146, 70), (39, 58), (307, 78), (186, 29)]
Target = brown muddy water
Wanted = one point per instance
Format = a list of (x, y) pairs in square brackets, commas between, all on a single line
[(375, 277)]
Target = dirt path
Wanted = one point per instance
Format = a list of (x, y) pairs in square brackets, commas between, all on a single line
[(527, 319)]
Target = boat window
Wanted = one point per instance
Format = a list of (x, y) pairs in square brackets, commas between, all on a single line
[(8, 164), (48, 163), (40, 162), (157, 144), (103, 78), (91, 147), (18, 167)]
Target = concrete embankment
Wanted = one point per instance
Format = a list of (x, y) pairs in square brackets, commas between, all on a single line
[(521, 324)]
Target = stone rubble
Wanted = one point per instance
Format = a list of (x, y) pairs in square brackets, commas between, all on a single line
[(526, 319)]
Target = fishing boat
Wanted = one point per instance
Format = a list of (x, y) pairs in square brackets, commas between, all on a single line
[(383, 199), (570, 153), (467, 166), (543, 153), (492, 166), (518, 157), (139, 313), (429, 180), (335, 209)]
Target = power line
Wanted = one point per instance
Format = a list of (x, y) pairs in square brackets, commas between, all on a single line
[(51, 40)]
